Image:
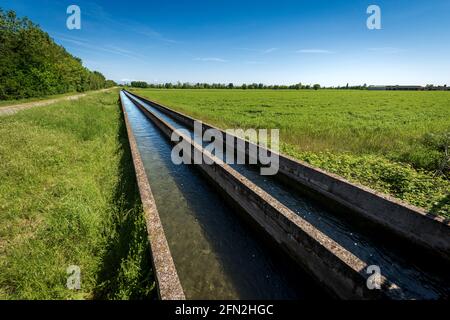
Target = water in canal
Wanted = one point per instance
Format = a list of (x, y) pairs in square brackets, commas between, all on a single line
[(216, 254), (415, 281)]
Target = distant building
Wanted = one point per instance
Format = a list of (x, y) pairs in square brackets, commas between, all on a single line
[(376, 88), (441, 88), (409, 88), (404, 88)]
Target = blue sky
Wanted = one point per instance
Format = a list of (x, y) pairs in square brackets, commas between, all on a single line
[(280, 42)]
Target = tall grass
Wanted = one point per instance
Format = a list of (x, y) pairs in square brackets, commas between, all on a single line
[(68, 196)]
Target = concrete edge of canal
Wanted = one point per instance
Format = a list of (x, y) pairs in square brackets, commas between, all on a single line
[(168, 283)]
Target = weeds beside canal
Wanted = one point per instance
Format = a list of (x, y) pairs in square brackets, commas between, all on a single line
[(68, 196)]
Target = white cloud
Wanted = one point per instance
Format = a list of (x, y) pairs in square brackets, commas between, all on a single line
[(262, 51), (96, 47), (148, 32), (270, 50), (388, 50), (318, 51), (210, 59), (254, 62)]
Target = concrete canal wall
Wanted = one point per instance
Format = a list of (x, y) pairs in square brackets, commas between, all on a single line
[(168, 283)]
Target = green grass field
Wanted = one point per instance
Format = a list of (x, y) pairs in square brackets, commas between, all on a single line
[(392, 141), (68, 196)]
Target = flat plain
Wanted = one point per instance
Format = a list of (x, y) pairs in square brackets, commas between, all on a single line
[(391, 141)]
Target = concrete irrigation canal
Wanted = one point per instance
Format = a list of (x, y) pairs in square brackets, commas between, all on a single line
[(221, 231)]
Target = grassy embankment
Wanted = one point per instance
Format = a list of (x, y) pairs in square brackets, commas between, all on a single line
[(12, 103), (391, 141), (68, 196)]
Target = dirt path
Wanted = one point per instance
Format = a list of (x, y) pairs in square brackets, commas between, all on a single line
[(8, 110)]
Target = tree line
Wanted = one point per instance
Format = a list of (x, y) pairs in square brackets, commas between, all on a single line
[(188, 85), (33, 65)]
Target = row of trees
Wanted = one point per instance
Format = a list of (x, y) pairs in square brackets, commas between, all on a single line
[(187, 85), (33, 65)]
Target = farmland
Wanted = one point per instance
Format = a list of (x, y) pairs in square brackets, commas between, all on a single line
[(392, 141)]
